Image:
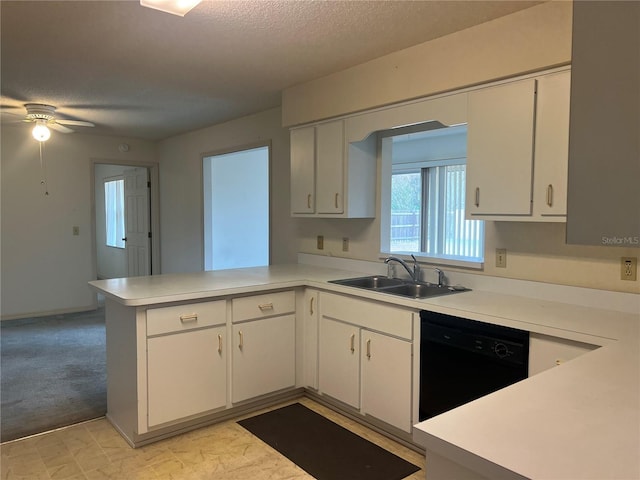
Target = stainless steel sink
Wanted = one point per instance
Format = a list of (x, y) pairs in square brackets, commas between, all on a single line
[(419, 290), (395, 286), (375, 282)]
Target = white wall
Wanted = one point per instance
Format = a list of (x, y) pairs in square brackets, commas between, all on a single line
[(44, 267), (181, 203)]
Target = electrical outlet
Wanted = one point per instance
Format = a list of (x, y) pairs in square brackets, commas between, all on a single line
[(629, 268), (501, 257), (76, 230), (320, 242), (345, 244)]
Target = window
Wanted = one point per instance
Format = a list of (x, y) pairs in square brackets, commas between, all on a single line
[(427, 196), (114, 209), (236, 209)]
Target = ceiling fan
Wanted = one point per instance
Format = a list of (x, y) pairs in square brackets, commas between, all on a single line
[(44, 117)]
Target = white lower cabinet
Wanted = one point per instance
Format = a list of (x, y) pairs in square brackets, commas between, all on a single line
[(371, 371), (263, 357), (264, 345), (546, 352), (186, 361), (386, 378), (187, 374), (339, 375)]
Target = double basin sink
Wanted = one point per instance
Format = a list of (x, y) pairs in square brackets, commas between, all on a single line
[(396, 286)]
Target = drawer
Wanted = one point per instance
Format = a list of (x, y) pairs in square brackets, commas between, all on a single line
[(267, 305), (185, 317)]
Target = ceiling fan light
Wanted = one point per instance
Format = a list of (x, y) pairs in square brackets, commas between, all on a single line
[(41, 132), (175, 7)]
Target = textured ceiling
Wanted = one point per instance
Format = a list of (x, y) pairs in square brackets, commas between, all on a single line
[(142, 73)]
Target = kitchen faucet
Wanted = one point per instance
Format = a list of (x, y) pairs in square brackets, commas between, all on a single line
[(415, 274)]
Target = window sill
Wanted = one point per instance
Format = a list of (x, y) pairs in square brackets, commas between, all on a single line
[(437, 261)]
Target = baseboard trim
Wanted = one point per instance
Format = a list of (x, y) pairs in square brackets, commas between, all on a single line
[(49, 313)]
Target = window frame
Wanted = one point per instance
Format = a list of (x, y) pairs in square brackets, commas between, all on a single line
[(388, 169), (120, 244)]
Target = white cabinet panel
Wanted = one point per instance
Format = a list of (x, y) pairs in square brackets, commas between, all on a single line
[(339, 373), (186, 374), (500, 149), (263, 359), (551, 145), (303, 170), (386, 379), (259, 306), (546, 352), (330, 167)]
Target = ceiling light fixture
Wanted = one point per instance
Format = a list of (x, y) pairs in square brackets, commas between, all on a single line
[(175, 7), (41, 132)]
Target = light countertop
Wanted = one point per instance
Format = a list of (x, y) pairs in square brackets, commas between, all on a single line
[(580, 420)]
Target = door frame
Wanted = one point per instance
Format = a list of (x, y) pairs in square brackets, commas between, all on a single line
[(154, 204)]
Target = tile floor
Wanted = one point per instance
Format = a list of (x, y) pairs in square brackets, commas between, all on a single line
[(225, 451)]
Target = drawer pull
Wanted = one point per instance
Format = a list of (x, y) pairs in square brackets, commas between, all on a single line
[(266, 306), (192, 317), (311, 306), (241, 344), (309, 201), (477, 202), (550, 195), (219, 343), (369, 348), (336, 201), (352, 346)]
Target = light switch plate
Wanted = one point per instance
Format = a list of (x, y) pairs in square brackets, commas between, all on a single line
[(320, 242), (501, 257)]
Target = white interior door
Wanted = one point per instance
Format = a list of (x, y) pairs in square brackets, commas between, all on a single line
[(136, 207)]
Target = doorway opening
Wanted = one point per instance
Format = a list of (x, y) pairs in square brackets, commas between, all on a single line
[(236, 208), (123, 221)]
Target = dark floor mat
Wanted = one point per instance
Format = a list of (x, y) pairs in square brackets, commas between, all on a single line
[(324, 449)]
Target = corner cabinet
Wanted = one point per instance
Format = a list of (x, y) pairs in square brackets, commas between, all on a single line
[(366, 352), (517, 149), (331, 177)]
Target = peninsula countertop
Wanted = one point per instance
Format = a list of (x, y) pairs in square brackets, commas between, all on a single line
[(580, 420)]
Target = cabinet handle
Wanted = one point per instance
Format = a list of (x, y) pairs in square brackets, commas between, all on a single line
[(266, 306), (241, 344), (192, 317), (219, 343), (550, 195), (353, 343), (336, 200), (369, 348), (311, 305), (309, 201), (477, 202)]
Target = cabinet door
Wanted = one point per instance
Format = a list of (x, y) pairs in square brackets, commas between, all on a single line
[(186, 374), (330, 167), (303, 173), (339, 369), (500, 149), (263, 357), (552, 145), (310, 315), (386, 379)]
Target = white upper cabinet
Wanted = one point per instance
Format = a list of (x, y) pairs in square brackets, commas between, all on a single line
[(500, 149), (517, 150), (551, 146), (303, 165), (331, 177)]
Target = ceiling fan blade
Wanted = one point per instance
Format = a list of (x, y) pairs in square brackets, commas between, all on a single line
[(59, 128), (77, 123)]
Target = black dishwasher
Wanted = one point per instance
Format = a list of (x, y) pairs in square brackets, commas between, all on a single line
[(462, 360)]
